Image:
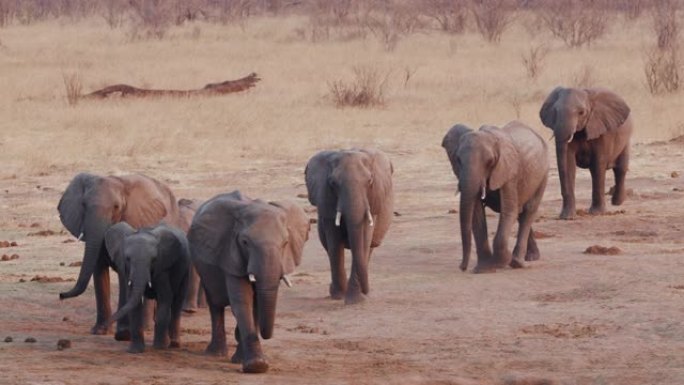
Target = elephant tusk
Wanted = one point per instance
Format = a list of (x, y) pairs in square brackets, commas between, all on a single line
[(142, 300), (149, 284), (338, 217), (129, 283), (458, 192), (484, 192), (80, 236), (370, 218), (287, 281), (571, 137), (252, 278)]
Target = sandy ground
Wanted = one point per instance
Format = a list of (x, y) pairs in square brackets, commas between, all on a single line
[(571, 318)]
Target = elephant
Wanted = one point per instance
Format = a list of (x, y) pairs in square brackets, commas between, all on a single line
[(242, 249), (592, 128), (156, 263), (505, 169), (352, 190), (195, 297), (89, 206)]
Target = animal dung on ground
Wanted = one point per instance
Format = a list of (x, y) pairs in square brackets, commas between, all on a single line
[(75, 264), (30, 340), (63, 344), (602, 250), (7, 244), (6, 257), (46, 279), (42, 233), (9, 339)]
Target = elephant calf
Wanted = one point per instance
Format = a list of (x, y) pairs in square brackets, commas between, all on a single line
[(505, 169), (155, 262), (352, 190), (242, 249)]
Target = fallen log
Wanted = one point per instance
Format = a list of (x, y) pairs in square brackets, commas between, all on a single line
[(211, 89)]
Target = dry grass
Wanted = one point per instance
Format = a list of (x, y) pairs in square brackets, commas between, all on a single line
[(366, 89), (73, 87), (287, 116)]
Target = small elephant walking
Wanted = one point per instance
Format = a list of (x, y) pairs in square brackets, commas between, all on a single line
[(242, 249), (505, 169), (592, 129), (352, 190), (155, 262)]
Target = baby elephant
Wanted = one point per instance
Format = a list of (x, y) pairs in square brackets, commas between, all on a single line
[(506, 170), (156, 264)]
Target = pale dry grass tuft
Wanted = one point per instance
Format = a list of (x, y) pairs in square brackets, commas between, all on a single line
[(533, 60), (366, 89), (661, 68), (73, 87)]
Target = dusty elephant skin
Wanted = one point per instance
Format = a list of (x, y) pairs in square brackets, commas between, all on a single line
[(506, 170), (88, 207), (155, 262), (195, 297), (242, 249), (592, 128), (352, 190)]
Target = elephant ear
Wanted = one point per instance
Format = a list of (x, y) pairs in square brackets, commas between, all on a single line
[(316, 175), (173, 246), (507, 159), (114, 240), (146, 201), (608, 112), (298, 227), (451, 142), (214, 231), (548, 112), (381, 170), (71, 206)]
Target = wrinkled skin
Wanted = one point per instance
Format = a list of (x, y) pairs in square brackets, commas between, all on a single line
[(506, 170), (88, 207), (352, 190), (592, 128), (195, 297), (156, 264), (232, 238)]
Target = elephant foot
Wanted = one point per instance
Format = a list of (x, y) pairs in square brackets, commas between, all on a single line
[(568, 214), (160, 344), (618, 198), (122, 335), (484, 269), (336, 293), (216, 349), (352, 299), (517, 263), (255, 365), (174, 345), (236, 358), (136, 348), (596, 210), (532, 255), (99, 329)]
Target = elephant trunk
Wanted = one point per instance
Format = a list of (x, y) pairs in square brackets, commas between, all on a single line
[(140, 278), (266, 306), (466, 218), (95, 231), (562, 160)]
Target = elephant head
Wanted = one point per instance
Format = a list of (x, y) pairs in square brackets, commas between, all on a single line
[(91, 204), (483, 161), (136, 253), (252, 241), (354, 187)]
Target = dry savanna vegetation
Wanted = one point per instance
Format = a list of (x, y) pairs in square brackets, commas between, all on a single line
[(394, 74)]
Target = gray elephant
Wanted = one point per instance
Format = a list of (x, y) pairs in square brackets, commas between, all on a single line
[(592, 129), (242, 249), (195, 297), (155, 262), (352, 190), (88, 207), (505, 169)]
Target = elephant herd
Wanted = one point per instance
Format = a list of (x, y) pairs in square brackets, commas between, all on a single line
[(235, 250)]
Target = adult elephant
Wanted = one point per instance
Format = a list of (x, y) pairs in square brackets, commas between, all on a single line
[(352, 190), (93, 203), (592, 129), (506, 170), (242, 249), (195, 295)]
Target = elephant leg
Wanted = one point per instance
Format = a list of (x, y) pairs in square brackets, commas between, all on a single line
[(509, 214), (484, 252), (598, 189), (149, 313), (237, 356), (241, 296), (331, 238), (102, 288), (524, 233), (532, 248), (123, 332), (192, 297), (201, 297), (217, 346), (176, 310), (163, 319), (566, 173), (137, 344), (620, 170)]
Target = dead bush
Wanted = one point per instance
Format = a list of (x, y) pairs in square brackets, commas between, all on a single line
[(665, 23), (576, 22), (661, 68), (450, 15), (491, 18), (73, 87), (366, 89), (533, 60)]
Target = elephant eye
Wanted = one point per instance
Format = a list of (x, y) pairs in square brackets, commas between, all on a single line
[(581, 112)]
